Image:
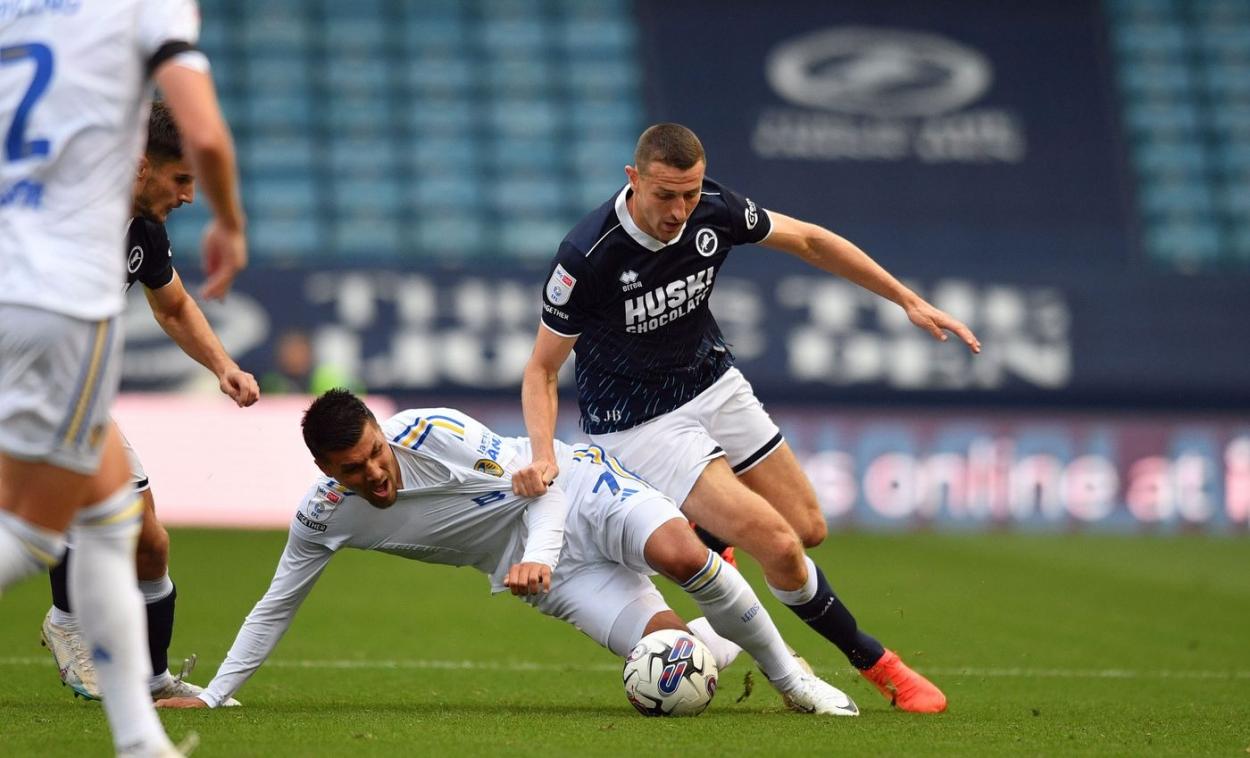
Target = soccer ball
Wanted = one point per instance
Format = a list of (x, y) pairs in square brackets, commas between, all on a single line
[(670, 673)]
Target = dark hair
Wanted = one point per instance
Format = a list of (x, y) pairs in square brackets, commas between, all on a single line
[(164, 142), (671, 144), (335, 421)]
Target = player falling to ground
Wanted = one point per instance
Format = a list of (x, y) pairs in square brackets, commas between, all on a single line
[(74, 94), (656, 384), (164, 182), (436, 486)]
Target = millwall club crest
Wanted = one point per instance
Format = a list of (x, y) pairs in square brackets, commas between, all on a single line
[(706, 242), (560, 286)]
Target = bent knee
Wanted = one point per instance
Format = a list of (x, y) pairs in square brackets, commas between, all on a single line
[(775, 543), (814, 530)]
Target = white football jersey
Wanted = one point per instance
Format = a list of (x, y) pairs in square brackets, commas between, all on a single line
[(74, 98), (455, 506)]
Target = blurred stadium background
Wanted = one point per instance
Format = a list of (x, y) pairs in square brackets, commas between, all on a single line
[(1072, 179)]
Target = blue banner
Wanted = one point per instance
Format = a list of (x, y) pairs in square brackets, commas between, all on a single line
[(797, 334), (970, 138)]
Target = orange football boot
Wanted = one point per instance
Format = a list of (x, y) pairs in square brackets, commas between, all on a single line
[(904, 688)]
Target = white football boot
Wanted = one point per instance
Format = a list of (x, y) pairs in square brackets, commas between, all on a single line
[(811, 694), (73, 660)]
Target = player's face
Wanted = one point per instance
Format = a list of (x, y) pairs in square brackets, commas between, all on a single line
[(164, 186), (369, 468), (664, 197)]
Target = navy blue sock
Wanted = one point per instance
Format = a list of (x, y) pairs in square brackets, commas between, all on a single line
[(161, 630), (826, 614), (58, 577)]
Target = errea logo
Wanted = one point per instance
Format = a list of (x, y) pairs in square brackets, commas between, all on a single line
[(629, 281), (135, 259)]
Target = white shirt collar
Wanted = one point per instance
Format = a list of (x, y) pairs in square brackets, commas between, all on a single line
[(641, 237)]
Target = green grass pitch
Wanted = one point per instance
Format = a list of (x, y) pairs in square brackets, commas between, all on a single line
[(1045, 645)]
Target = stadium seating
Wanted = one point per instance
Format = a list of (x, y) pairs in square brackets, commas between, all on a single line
[(1184, 75), (440, 129)]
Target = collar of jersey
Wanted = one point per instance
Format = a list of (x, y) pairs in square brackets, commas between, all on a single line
[(641, 237)]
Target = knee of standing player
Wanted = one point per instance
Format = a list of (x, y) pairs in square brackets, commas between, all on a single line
[(775, 543), (814, 529), (152, 556)]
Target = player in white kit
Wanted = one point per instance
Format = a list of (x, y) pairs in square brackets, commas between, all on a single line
[(74, 94), (434, 485)]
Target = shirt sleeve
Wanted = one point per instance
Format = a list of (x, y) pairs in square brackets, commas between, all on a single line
[(544, 521), (167, 28), (301, 565), (568, 294), (157, 268), (748, 223)]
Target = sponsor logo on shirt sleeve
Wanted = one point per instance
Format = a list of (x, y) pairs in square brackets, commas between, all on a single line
[(560, 286)]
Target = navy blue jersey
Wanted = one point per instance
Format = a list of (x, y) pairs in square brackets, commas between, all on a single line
[(149, 258), (647, 342)]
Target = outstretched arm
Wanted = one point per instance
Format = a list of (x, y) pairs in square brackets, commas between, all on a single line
[(539, 402), (301, 565), (181, 318), (829, 252)]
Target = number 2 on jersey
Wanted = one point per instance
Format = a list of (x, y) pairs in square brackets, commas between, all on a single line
[(15, 145)]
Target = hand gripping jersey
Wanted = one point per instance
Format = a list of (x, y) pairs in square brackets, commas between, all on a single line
[(74, 96), (647, 341)]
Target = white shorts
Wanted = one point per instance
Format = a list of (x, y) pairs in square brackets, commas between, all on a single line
[(671, 451), (138, 476), (58, 378), (602, 581)]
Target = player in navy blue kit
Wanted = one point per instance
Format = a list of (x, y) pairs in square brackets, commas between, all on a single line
[(656, 385), (164, 182)]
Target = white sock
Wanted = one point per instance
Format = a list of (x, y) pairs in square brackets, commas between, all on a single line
[(160, 681), (734, 611), (103, 591), (26, 549), (155, 590), (723, 650), (65, 619), (802, 594)]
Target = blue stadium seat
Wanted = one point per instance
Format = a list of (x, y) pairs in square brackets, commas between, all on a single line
[(517, 116), (367, 195), (372, 235), (522, 75), (1168, 197), (450, 155), (522, 195), (503, 36), (272, 155), (452, 191), (282, 195), (430, 127), (534, 238), (539, 154), (450, 235), (287, 238)]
